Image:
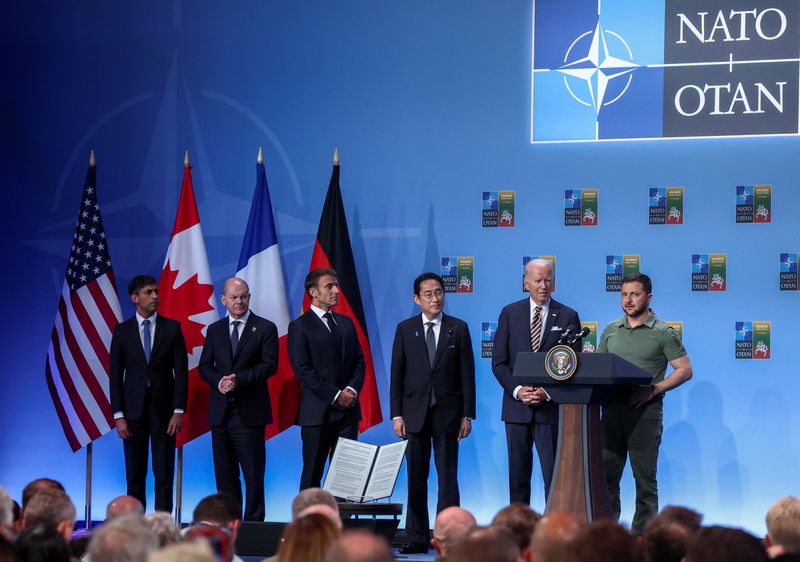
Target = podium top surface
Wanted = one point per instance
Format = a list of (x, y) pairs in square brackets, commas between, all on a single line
[(594, 369)]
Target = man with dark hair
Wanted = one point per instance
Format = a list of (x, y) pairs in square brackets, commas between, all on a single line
[(432, 401), (552, 537), (632, 420), (239, 355), (149, 379), (487, 544), (712, 544), (667, 535), (531, 324), (51, 507), (327, 360), (520, 520), (604, 541)]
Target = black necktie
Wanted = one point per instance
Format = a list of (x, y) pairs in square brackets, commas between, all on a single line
[(235, 336), (430, 342)]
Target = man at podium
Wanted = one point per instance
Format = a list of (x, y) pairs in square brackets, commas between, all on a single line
[(532, 324), (632, 420)]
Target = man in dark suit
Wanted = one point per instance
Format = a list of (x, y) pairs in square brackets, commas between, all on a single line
[(240, 354), (149, 370), (432, 400), (327, 360), (532, 324)]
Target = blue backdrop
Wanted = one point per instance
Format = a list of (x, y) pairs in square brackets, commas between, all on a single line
[(429, 103)]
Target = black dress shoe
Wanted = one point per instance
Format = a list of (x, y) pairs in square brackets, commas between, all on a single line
[(414, 548)]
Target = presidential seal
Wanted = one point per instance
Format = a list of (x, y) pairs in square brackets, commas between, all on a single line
[(561, 362)]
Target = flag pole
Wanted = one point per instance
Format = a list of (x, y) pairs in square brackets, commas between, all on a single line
[(179, 488), (87, 514), (88, 510)]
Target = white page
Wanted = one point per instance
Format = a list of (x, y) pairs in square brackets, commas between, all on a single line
[(349, 469), (384, 475)]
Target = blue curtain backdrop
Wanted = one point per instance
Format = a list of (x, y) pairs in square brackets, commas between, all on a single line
[(429, 103)]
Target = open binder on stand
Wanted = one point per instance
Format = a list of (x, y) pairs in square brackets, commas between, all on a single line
[(361, 473)]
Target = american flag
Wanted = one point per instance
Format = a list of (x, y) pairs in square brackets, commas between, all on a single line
[(88, 311)]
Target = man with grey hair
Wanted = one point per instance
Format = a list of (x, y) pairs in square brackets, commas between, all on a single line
[(783, 527), (452, 526), (51, 507), (312, 496), (125, 539), (531, 324)]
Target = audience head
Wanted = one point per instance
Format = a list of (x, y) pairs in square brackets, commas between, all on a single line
[(186, 552), (220, 510), (125, 539), (6, 550), (604, 541), (359, 546), (51, 507), (452, 525), (217, 538), (312, 496), (307, 539), (712, 544), (37, 485), (41, 543), (520, 520), (667, 535), (487, 544), (123, 505), (327, 511), (783, 526), (552, 536), (164, 527), (6, 515)]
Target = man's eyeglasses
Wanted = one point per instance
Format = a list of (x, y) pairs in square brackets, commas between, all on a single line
[(430, 295)]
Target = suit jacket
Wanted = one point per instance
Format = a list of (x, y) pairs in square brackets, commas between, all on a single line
[(324, 366), (166, 372), (255, 360), (514, 335), (451, 378)]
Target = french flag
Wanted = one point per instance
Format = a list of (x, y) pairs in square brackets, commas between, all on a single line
[(260, 266)]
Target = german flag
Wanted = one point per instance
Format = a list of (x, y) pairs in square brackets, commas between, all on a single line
[(333, 249)]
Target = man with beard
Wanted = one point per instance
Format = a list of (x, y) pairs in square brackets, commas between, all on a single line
[(632, 420)]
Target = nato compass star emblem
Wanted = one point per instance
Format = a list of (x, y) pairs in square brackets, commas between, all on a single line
[(595, 66)]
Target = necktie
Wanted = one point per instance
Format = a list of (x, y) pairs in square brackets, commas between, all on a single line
[(536, 328), (430, 342), (146, 338), (331, 323), (235, 336)]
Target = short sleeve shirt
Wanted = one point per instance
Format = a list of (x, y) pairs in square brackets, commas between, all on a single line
[(650, 345)]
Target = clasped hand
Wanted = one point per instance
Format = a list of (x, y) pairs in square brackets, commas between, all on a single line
[(532, 396)]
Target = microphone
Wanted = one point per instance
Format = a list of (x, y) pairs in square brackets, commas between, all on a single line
[(564, 336), (579, 336)]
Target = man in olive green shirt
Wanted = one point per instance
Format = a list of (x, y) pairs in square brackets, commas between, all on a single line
[(632, 420)]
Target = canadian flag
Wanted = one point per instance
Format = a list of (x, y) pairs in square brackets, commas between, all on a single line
[(186, 294)]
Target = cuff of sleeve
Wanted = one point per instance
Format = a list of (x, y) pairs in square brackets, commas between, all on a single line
[(547, 394), (118, 415), (338, 392), (354, 391), (516, 392), (178, 411), (397, 418)]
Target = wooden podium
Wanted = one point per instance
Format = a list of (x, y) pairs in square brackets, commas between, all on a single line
[(579, 485)]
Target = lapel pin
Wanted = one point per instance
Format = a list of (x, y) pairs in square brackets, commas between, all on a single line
[(253, 329), (416, 333)]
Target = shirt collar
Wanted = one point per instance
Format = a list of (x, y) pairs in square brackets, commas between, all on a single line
[(318, 311), (437, 320), (243, 319), (650, 321), (140, 319), (544, 306)]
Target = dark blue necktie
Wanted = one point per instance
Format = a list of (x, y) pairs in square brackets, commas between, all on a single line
[(146, 338), (235, 336)]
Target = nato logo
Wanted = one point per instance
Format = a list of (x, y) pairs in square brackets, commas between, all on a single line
[(449, 267), (488, 330), (572, 198), (788, 271), (658, 197), (700, 263), (744, 194), (607, 70), (613, 265), (744, 331)]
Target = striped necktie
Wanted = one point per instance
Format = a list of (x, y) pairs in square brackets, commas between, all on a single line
[(536, 328)]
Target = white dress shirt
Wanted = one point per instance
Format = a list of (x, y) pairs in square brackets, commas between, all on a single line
[(321, 313), (543, 314)]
